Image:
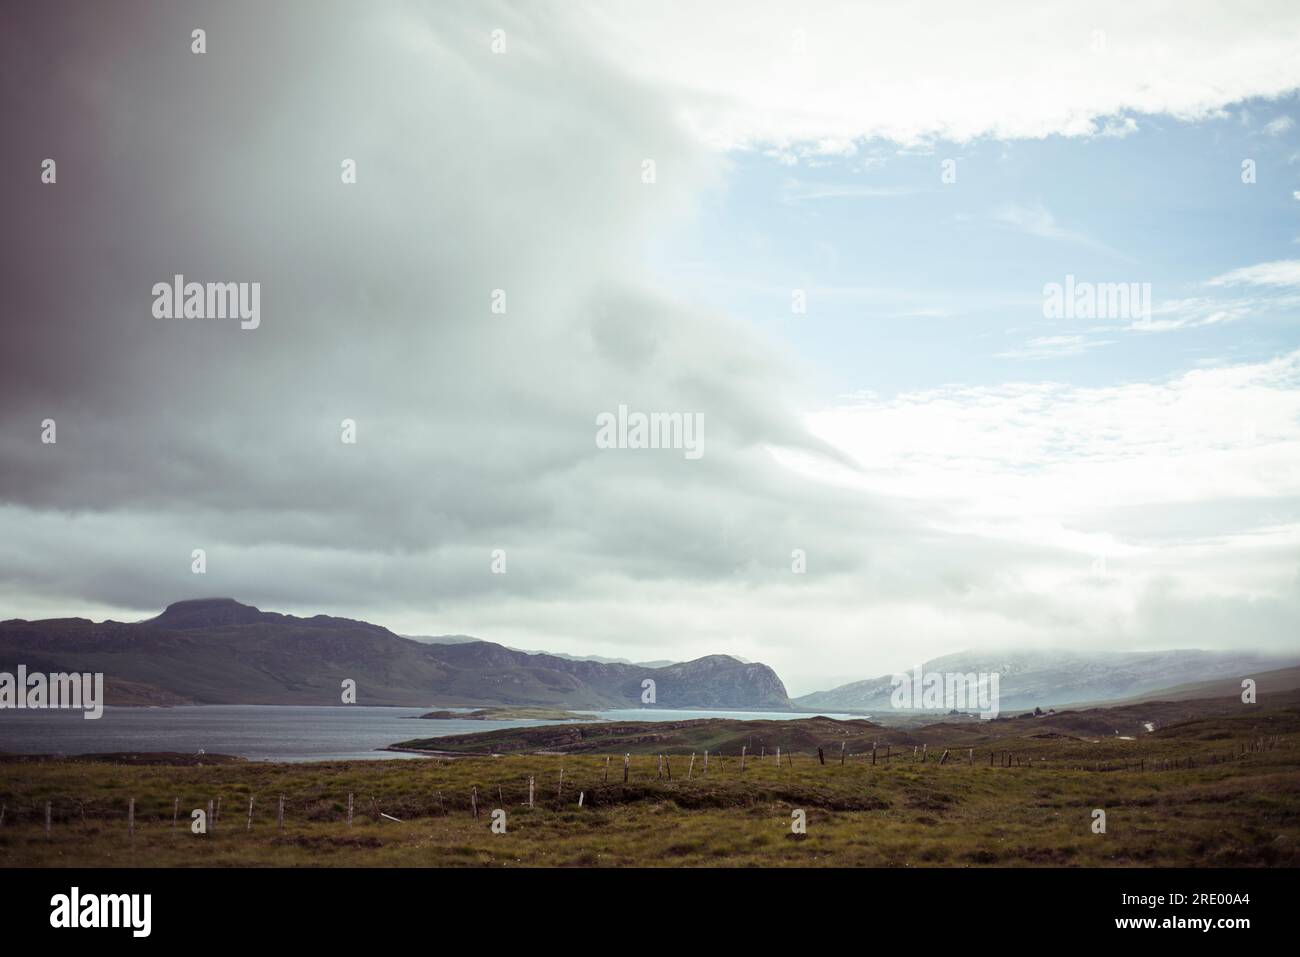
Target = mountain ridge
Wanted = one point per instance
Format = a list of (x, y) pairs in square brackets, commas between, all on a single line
[(221, 651)]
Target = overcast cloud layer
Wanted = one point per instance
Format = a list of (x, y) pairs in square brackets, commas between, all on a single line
[(966, 515)]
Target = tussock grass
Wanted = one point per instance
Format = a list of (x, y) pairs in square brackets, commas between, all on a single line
[(1243, 811)]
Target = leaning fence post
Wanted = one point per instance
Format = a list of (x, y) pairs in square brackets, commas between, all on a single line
[(691, 768), (249, 825), (821, 757), (668, 765)]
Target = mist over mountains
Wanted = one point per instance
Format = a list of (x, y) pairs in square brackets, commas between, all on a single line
[(1056, 677), (221, 651)]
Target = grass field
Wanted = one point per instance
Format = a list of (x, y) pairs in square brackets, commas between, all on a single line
[(1237, 805)]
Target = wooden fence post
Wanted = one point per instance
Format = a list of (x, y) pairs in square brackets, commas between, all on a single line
[(47, 820), (130, 818), (473, 800), (691, 767), (279, 817), (945, 756), (706, 761), (532, 787), (176, 811), (842, 744), (350, 809), (821, 757), (742, 757), (581, 795), (560, 791), (627, 759), (249, 825), (873, 754), (661, 767), (778, 758), (668, 765), (606, 780)]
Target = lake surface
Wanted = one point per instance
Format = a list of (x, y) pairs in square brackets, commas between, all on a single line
[(274, 732)]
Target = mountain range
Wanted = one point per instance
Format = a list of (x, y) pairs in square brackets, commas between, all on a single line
[(1057, 677), (220, 651)]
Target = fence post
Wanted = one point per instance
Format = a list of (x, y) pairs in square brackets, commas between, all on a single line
[(627, 759), (279, 818), (249, 825), (606, 780), (47, 820), (706, 761), (532, 787), (176, 810), (821, 757), (473, 800), (842, 743), (211, 820), (350, 809), (691, 768), (130, 818), (742, 757)]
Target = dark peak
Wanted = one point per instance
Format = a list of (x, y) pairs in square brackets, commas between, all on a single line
[(208, 613)]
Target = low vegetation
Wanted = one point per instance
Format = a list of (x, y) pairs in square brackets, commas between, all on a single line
[(1213, 790)]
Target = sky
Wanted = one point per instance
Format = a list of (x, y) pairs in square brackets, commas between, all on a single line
[(828, 230)]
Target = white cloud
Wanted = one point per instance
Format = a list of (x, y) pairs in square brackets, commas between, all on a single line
[(768, 72), (1280, 272), (1279, 126)]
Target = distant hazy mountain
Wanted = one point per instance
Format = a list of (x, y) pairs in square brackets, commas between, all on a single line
[(219, 651), (1031, 678), (462, 639)]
